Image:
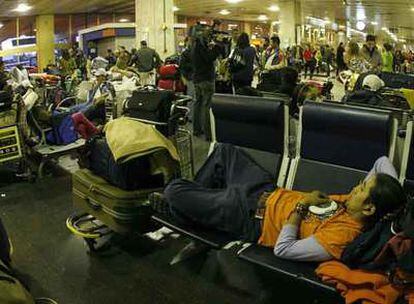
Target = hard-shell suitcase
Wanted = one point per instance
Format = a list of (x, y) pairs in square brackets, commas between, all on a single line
[(122, 211)]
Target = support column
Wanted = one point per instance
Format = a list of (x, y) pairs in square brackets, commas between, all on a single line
[(155, 24), (290, 19), (45, 40)]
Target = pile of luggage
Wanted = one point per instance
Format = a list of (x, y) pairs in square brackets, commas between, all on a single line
[(128, 161)]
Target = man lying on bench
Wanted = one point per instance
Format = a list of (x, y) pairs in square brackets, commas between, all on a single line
[(231, 195)]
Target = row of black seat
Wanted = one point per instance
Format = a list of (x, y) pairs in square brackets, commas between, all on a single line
[(336, 147)]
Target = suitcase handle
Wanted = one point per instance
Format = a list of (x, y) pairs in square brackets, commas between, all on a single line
[(93, 205)]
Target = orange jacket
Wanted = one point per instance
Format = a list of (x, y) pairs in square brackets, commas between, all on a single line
[(354, 285)]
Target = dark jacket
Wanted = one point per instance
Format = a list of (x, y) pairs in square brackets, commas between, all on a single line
[(203, 59), (245, 75), (147, 59), (186, 65)]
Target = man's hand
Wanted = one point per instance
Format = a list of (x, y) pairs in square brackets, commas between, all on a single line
[(315, 198)]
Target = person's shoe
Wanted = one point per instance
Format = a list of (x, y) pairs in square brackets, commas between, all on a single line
[(158, 203), (191, 250)]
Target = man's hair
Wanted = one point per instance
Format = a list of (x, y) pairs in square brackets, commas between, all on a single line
[(275, 39), (387, 195), (370, 38), (387, 47), (143, 43)]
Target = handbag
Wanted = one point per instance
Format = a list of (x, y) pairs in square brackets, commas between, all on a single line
[(236, 61)]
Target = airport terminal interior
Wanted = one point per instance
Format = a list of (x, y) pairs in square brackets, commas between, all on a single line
[(206, 152)]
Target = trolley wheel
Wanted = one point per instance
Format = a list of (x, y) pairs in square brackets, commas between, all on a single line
[(96, 248)]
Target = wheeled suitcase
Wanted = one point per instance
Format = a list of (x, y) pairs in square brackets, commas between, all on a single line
[(120, 210)]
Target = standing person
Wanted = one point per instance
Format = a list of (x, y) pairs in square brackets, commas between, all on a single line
[(147, 59), (355, 61), (67, 64), (123, 59), (310, 61), (398, 61), (242, 76), (110, 56), (203, 56), (340, 61), (387, 59), (371, 54), (274, 59), (187, 72)]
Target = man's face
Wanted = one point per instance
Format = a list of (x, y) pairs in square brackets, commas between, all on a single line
[(358, 198)]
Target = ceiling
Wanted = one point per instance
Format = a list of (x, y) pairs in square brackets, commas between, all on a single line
[(68, 6), (397, 15)]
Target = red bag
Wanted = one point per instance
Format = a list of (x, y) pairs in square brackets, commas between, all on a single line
[(169, 71), (173, 85)]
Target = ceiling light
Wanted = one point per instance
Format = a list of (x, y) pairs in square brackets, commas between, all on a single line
[(374, 23), (262, 18), (234, 1), (1, 25), (274, 8), (275, 22), (22, 8), (175, 9), (412, 9), (360, 25), (123, 20), (384, 29), (224, 12)]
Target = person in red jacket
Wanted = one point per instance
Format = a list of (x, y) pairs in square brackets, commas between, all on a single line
[(310, 61)]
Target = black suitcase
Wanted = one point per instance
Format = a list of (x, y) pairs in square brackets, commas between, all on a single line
[(150, 105), (131, 175)]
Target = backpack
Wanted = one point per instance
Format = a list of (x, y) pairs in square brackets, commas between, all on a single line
[(387, 247), (11, 290), (63, 129)]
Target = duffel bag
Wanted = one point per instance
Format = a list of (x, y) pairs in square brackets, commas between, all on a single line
[(150, 105), (397, 81), (169, 71), (131, 175)]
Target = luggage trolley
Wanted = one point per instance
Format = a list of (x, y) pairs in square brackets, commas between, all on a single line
[(92, 229), (11, 137)]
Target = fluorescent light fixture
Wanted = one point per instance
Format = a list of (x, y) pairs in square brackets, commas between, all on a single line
[(412, 9), (384, 29), (274, 8), (22, 8), (360, 25), (234, 1), (374, 22), (224, 12), (1, 25), (262, 18), (175, 9), (123, 20)]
